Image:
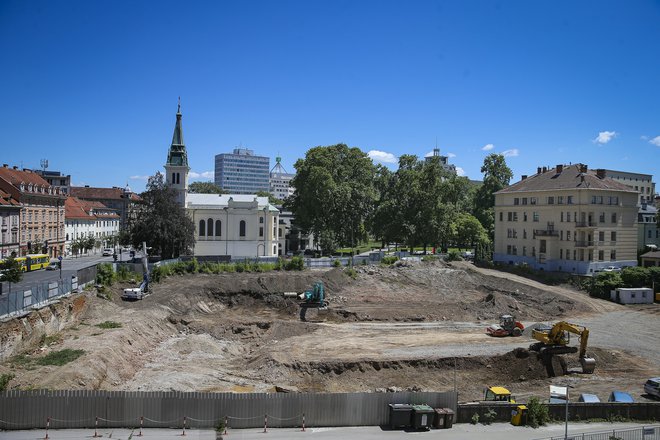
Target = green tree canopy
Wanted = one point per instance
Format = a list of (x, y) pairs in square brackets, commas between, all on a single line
[(334, 194), (11, 270), (205, 188), (162, 222), (468, 230), (271, 198), (496, 177)]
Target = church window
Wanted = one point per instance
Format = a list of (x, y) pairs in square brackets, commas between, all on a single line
[(218, 228), (209, 228), (202, 228), (173, 177), (241, 228)]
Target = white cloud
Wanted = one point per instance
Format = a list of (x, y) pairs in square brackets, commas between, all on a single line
[(644, 138), (487, 147), (382, 156), (510, 153), (450, 155), (204, 175), (139, 177), (655, 141), (604, 137), (460, 171)]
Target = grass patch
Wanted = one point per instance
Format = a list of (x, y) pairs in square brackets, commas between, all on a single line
[(21, 360), (60, 357), (109, 324)]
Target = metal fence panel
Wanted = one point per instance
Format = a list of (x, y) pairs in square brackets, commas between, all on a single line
[(81, 408)]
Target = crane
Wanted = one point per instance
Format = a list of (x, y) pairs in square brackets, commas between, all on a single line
[(554, 340)]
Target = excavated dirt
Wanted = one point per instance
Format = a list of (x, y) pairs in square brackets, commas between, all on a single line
[(417, 327)]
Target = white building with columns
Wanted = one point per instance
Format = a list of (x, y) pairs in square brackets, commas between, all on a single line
[(237, 225)]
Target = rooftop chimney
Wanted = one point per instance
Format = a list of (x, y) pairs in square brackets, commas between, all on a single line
[(600, 173), (4, 165), (15, 167), (524, 176), (560, 168), (583, 168), (545, 169), (538, 170)]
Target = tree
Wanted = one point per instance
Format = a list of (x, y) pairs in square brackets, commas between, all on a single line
[(496, 177), (468, 230), (11, 270), (162, 222), (334, 194), (271, 198), (205, 188)]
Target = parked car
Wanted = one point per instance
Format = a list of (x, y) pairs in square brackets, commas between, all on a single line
[(108, 252), (612, 269), (620, 397), (652, 387), (54, 265)]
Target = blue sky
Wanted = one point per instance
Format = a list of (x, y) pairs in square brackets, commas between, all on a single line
[(93, 86)]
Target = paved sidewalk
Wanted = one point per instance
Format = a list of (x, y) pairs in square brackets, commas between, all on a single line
[(499, 431)]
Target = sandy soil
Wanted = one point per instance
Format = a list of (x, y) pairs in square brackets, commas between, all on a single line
[(419, 327)]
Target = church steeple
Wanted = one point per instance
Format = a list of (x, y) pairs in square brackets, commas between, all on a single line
[(177, 155), (176, 168)]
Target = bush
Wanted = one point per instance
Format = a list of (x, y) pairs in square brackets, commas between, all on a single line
[(336, 263), (603, 283), (389, 259), (429, 258), (157, 274), (489, 417), (295, 263), (351, 273), (537, 413), (61, 357), (475, 419), (453, 255), (104, 274), (109, 324), (4, 380)]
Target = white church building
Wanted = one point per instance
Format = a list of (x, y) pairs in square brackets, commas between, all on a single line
[(236, 225)]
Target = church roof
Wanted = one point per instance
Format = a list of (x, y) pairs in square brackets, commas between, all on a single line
[(220, 201), (177, 155)]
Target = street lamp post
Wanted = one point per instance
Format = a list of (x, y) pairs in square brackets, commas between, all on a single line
[(566, 424)]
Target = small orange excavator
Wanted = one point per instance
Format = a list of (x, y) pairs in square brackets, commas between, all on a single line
[(508, 326)]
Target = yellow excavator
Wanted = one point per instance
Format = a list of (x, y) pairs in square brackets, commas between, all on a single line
[(554, 340)]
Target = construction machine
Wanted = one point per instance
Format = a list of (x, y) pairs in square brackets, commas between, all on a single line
[(508, 326), (498, 394), (554, 341), (314, 298)]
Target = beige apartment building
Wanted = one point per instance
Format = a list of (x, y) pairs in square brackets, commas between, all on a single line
[(567, 219), (42, 211)]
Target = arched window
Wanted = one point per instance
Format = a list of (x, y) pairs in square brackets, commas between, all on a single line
[(218, 228), (209, 226), (241, 228), (202, 228)]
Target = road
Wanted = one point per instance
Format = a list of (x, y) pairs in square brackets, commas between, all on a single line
[(70, 266), (498, 431)]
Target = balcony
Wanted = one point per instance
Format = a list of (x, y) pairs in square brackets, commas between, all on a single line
[(585, 224), (584, 244), (545, 233)]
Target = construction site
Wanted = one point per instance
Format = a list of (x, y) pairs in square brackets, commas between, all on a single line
[(418, 326)]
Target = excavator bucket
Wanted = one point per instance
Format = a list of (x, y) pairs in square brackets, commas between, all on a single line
[(588, 365)]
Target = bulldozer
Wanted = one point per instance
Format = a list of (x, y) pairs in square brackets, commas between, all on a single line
[(314, 298), (508, 326), (554, 340)]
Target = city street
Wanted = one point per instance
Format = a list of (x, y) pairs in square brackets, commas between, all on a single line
[(70, 265)]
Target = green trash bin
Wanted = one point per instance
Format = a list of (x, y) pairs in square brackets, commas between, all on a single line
[(400, 415), (422, 417)]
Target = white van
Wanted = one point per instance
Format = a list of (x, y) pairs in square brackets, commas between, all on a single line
[(652, 387)]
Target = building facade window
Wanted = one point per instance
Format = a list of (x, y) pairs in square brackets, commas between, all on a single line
[(209, 227), (614, 217), (535, 216), (241, 228), (612, 255), (218, 228), (202, 228), (261, 231), (613, 236)]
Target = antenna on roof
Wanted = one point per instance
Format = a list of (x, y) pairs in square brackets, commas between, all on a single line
[(44, 164), (178, 109)]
